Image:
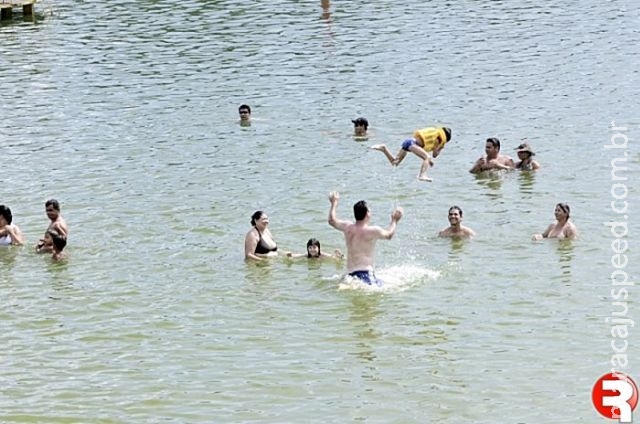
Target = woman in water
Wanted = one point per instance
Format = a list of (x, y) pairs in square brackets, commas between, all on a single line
[(525, 154), (259, 243), (10, 234), (314, 252), (561, 229)]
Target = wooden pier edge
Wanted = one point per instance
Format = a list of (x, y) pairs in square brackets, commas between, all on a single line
[(7, 6)]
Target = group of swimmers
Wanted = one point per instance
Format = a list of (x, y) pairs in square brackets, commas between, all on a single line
[(55, 237), (360, 237)]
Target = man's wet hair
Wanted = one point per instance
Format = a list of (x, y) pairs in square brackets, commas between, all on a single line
[(243, 107), (494, 141), (54, 203), (456, 208)]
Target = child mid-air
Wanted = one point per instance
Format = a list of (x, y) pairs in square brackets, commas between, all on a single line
[(425, 140)]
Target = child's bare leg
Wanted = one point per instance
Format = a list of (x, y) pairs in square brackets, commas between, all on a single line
[(382, 148), (401, 155), (422, 176), (422, 154)]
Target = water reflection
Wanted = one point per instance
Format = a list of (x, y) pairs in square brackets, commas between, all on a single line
[(565, 259), (326, 10), (258, 272), (59, 275), (456, 247), (526, 180), (363, 313), (493, 181), (8, 257)]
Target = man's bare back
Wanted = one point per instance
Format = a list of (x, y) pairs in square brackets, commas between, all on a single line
[(361, 237)]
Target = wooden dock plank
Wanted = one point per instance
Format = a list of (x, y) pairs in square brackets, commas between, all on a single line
[(6, 7)]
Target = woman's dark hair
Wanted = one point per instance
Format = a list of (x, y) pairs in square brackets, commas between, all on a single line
[(59, 242), (565, 208), (313, 242), (6, 213), (256, 216)]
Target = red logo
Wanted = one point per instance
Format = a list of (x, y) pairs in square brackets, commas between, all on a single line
[(615, 396)]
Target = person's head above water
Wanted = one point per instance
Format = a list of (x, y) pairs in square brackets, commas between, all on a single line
[(360, 126), (245, 113), (313, 248)]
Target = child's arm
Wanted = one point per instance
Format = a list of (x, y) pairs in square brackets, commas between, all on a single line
[(337, 254), (438, 148)]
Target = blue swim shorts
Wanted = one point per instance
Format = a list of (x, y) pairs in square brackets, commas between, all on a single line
[(367, 277), (408, 143)]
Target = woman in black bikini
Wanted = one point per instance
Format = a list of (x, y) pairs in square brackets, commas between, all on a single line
[(259, 243)]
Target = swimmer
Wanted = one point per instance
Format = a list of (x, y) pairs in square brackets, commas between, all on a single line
[(456, 229), (361, 238), (425, 140), (562, 228), (314, 252), (245, 115), (493, 159), (525, 154), (58, 224), (259, 243), (360, 127), (10, 234)]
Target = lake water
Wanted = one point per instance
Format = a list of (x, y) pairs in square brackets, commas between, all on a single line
[(126, 112)]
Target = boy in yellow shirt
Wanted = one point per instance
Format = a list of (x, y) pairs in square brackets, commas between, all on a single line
[(431, 139)]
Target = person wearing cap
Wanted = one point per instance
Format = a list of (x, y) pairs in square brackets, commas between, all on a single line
[(360, 126), (456, 229), (525, 154), (493, 159), (424, 141), (562, 229)]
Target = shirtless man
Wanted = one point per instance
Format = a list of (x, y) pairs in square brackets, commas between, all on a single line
[(493, 158), (57, 224), (456, 229), (361, 238)]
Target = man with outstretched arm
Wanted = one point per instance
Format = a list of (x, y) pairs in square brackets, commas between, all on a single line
[(361, 238)]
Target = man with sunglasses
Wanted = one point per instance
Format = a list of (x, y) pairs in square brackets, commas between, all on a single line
[(245, 115), (493, 159)]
